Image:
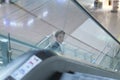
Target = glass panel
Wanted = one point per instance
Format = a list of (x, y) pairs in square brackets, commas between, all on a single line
[(43, 44), (106, 62), (14, 49), (94, 35)]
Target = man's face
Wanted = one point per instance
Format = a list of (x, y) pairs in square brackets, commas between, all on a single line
[(60, 38)]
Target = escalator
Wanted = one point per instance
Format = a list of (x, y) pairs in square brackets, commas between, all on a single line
[(48, 69), (93, 55), (31, 62)]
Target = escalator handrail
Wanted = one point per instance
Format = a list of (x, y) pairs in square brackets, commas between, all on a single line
[(44, 39), (100, 25)]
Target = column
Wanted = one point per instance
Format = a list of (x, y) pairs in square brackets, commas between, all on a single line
[(115, 6)]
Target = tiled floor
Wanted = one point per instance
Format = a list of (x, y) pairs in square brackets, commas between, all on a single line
[(25, 20), (109, 20), (29, 18), (44, 14)]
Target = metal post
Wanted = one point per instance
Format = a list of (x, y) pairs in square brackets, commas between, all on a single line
[(4, 51)]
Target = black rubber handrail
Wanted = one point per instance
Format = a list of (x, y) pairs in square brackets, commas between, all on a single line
[(100, 25)]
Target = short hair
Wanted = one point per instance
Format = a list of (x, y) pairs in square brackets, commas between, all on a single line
[(59, 32)]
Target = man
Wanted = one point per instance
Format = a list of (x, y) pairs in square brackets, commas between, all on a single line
[(57, 45)]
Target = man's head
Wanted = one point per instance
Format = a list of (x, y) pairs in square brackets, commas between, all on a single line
[(59, 35)]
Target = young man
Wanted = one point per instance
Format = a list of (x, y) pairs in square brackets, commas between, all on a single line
[(57, 45)]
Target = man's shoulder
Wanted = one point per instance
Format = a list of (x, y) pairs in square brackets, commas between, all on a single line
[(56, 44)]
